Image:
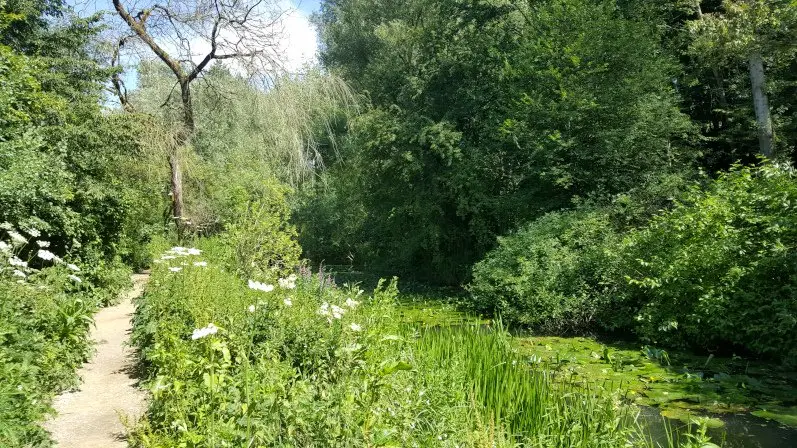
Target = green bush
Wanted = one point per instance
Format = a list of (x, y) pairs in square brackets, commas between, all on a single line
[(260, 239), (547, 274), (719, 269)]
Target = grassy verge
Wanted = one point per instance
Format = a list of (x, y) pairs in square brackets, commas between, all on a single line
[(305, 363)]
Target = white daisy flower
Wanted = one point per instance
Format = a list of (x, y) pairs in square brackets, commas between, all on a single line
[(200, 333), (260, 286), (286, 283), (46, 255), (337, 312), (14, 261), (16, 237)]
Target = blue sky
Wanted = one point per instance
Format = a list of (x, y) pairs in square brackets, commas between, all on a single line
[(308, 6)]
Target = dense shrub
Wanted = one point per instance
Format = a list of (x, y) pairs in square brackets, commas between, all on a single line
[(719, 268), (547, 274), (260, 239), (716, 269)]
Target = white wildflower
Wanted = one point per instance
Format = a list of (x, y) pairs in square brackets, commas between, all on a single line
[(46, 255), (193, 251), (352, 303), (355, 327), (175, 269), (324, 309), (168, 257), (14, 261), (6, 226), (18, 273), (5, 247), (251, 308), (178, 250), (201, 264), (43, 244), (337, 312), (75, 278), (260, 286), (16, 237), (33, 232), (288, 301), (287, 283), (200, 333), (73, 267)]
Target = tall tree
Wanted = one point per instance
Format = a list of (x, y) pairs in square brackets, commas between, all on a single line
[(187, 35), (749, 30)]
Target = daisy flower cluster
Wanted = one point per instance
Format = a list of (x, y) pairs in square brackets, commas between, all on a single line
[(180, 253), (334, 312), (20, 269), (200, 333)]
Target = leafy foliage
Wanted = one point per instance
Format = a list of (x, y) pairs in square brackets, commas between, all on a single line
[(716, 270), (487, 114), (547, 275), (719, 267)]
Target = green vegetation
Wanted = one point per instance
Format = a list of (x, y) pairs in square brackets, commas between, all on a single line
[(713, 271), (307, 363), (46, 314), (564, 167)]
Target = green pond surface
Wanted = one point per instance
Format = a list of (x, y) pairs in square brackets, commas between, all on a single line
[(746, 402), (677, 385)]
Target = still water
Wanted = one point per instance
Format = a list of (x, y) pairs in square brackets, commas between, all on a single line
[(740, 431)]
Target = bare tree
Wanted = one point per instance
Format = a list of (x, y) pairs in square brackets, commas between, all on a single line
[(187, 35)]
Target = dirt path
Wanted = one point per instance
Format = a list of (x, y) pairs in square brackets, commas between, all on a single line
[(90, 417)]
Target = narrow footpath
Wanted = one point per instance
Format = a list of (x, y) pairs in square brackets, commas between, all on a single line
[(92, 416)]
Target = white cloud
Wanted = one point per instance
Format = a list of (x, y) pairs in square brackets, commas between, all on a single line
[(300, 43)]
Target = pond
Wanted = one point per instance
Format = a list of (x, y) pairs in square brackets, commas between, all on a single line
[(738, 430)]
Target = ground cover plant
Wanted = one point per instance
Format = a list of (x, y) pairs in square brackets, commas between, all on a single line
[(300, 361), (46, 310)]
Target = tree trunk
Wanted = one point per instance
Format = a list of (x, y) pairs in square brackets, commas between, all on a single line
[(188, 107), (761, 104), (177, 189), (174, 161)]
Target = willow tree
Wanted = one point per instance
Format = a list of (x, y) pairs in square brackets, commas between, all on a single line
[(187, 36), (750, 31)]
